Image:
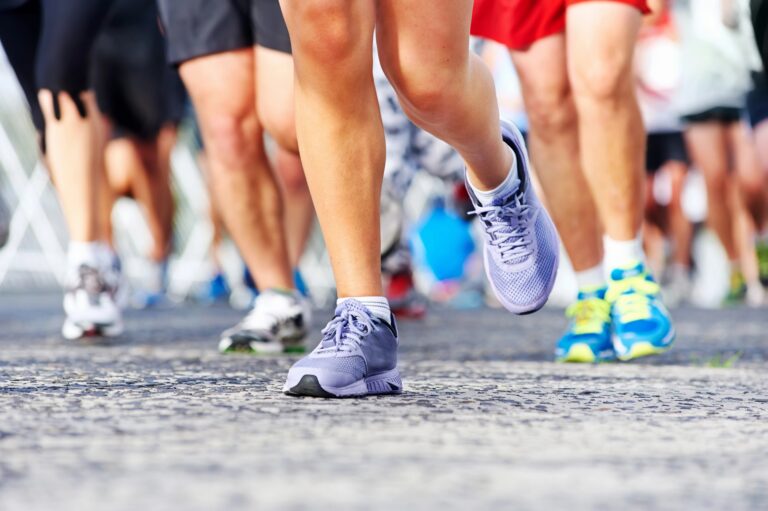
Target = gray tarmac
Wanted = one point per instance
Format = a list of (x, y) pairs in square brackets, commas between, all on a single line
[(158, 420)]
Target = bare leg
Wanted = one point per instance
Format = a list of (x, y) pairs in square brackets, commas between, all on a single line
[(680, 228), (442, 87), (299, 211), (750, 176), (132, 168), (72, 153), (554, 144), (222, 89), (601, 38), (275, 104), (340, 133), (708, 147)]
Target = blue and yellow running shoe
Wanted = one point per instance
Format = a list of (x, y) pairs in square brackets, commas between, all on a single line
[(588, 339), (641, 324)]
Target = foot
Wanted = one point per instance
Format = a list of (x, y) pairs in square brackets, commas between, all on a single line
[(90, 307), (737, 289), (357, 357), (641, 324), (588, 338), (762, 259), (521, 246), (276, 324)]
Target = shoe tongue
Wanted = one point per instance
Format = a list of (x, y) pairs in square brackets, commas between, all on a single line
[(354, 306), (628, 271)]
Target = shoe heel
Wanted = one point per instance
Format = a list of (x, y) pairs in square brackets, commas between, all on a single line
[(385, 383)]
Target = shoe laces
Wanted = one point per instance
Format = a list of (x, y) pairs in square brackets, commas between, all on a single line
[(509, 228), (632, 297), (589, 315), (345, 332)]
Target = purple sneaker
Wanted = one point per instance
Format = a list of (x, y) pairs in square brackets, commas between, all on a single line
[(357, 357), (521, 246)]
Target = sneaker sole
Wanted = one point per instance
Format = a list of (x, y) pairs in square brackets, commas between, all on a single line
[(379, 384), (72, 331), (581, 353), (255, 347), (645, 348)]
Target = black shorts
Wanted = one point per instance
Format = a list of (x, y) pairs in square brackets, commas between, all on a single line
[(134, 86), (664, 147), (195, 28), (757, 100), (724, 114)]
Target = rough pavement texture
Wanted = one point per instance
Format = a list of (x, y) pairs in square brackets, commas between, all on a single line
[(159, 420)]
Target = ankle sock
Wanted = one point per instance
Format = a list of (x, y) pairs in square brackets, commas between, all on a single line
[(84, 253), (377, 305), (591, 278), (509, 185), (620, 254)]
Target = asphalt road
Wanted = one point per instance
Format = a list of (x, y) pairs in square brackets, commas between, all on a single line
[(158, 420)]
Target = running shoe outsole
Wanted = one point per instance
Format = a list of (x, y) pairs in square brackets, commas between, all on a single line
[(645, 348), (72, 331), (581, 353), (378, 384)]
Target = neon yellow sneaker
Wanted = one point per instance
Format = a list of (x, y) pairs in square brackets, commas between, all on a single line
[(641, 324), (588, 338)]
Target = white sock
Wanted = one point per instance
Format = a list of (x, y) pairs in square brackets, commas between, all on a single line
[(84, 253), (509, 185), (621, 254), (107, 256), (591, 279), (377, 305)]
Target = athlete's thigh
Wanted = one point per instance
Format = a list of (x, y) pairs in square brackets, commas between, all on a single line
[(601, 38), (427, 35), (221, 83)]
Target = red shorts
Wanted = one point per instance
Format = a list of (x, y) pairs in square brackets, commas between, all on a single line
[(517, 24)]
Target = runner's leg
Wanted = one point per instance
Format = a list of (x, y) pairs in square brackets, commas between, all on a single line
[(222, 88), (600, 41), (554, 143)]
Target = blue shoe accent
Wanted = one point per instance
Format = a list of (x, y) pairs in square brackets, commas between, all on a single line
[(521, 247), (217, 289), (249, 282), (298, 281), (357, 357), (641, 324), (588, 338)]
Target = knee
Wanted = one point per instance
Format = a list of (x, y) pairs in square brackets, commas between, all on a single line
[(231, 138), (604, 80), (326, 32), (424, 91), (292, 173), (281, 126), (551, 112)]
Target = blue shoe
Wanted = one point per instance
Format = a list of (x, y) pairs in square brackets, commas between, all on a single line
[(588, 339), (357, 357), (641, 324), (521, 246)]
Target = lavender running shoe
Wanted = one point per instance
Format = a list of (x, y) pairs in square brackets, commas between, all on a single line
[(521, 247), (357, 357)]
